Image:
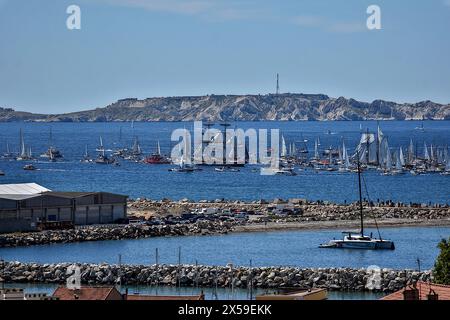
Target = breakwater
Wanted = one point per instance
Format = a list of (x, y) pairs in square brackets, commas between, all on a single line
[(116, 232), (310, 211), (339, 279)]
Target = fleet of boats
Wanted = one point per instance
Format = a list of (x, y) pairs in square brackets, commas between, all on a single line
[(373, 152)]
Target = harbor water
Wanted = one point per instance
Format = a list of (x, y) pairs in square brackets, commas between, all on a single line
[(288, 248), (156, 182)]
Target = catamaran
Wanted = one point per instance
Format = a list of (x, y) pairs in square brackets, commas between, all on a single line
[(358, 240)]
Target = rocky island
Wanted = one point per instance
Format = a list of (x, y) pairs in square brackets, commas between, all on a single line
[(270, 107)]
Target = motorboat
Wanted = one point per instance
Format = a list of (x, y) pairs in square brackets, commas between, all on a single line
[(103, 159), (29, 167)]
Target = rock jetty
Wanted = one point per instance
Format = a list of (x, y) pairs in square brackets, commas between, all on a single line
[(115, 232), (338, 279)]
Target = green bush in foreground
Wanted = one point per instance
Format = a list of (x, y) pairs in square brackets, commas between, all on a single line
[(442, 266)]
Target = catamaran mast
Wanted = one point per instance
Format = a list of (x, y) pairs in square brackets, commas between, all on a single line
[(360, 197)]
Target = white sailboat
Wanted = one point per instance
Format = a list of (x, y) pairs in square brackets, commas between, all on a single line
[(283, 147), (7, 154), (446, 172), (426, 154), (100, 148), (411, 154), (402, 157), (345, 159), (316, 150), (86, 157), (398, 164), (388, 163), (23, 154), (185, 164)]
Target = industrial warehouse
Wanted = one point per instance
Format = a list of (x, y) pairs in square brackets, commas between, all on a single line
[(31, 207)]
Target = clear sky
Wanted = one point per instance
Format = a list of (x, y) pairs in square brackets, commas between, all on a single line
[(148, 48)]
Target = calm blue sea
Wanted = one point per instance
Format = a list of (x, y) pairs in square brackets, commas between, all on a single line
[(285, 248), (156, 182)]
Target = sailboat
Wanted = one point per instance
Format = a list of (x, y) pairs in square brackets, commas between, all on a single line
[(157, 157), (399, 163), (283, 148), (411, 153), (23, 154), (388, 162), (426, 154), (52, 153), (358, 240), (136, 150), (86, 157), (185, 163), (421, 127), (447, 166), (304, 149), (345, 163), (316, 150), (276, 169), (102, 158), (8, 154), (100, 148)]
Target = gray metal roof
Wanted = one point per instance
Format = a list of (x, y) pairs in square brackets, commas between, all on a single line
[(18, 197), (22, 189)]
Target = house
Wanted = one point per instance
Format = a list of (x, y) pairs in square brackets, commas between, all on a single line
[(19, 294), (421, 291), (111, 293), (24, 207), (87, 293)]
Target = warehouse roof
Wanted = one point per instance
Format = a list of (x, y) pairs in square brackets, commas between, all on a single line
[(18, 197), (22, 189), (69, 195), (18, 192)]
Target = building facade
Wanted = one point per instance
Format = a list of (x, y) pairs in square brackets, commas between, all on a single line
[(25, 211)]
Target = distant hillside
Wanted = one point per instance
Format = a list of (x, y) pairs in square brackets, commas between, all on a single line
[(7, 114), (245, 107)]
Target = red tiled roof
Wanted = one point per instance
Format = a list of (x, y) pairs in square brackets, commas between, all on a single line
[(442, 291), (87, 293), (136, 297)]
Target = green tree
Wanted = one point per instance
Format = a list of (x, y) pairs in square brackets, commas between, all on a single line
[(442, 266)]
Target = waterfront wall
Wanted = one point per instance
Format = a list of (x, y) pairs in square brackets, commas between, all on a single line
[(339, 279)]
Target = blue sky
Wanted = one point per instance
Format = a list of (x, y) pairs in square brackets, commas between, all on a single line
[(147, 48)]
